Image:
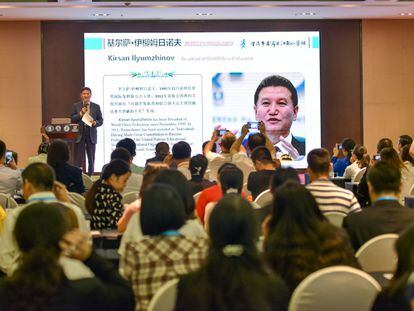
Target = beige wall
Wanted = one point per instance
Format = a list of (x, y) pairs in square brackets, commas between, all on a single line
[(388, 79), (20, 87)]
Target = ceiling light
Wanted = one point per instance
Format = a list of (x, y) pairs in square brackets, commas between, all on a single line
[(101, 14), (305, 14), (407, 14), (204, 14)]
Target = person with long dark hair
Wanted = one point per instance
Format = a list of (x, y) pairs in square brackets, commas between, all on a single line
[(340, 164), (198, 167), (40, 283), (103, 200), (299, 239), (71, 176), (233, 276)]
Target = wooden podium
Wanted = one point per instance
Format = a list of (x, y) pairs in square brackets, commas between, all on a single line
[(66, 132)]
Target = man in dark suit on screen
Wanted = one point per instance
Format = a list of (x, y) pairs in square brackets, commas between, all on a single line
[(88, 116)]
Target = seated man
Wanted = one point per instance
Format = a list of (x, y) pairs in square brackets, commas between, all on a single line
[(10, 179), (39, 185), (329, 196), (386, 214), (340, 164), (162, 149), (259, 181), (180, 158), (130, 145), (215, 160)]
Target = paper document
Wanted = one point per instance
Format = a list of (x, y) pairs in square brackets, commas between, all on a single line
[(87, 119)]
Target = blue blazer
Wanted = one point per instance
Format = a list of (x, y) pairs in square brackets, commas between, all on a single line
[(95, 112)]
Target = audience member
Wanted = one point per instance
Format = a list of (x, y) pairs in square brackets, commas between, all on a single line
[(71, 176), (390, 156), (384, 143), (386, 215), (39, 283), (129, 144), (404, 140), (299, 240), (41, 154), (10, 178), (265, 166), (396, 295), (39, 185), (329, 196), (407, 173), (340, 164), (214, 149), (198, 166), (164, 253), (103, 200), (162, 149), (215, 160), (181, 154), (357, 162), (233, 276)]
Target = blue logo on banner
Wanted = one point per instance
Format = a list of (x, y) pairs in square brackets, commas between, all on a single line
[(93, 43), (315, 42)]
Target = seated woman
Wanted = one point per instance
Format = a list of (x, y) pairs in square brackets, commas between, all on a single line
[(299, 240), (233, 276), (69, 175), (198, 166), (163, 253), (398, 294), (356, 162), (103, 200), (39, 283)]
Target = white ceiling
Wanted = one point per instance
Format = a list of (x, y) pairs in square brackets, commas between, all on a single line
[(85, 10)]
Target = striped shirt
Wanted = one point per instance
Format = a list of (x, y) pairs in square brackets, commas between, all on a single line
[(332, 198)]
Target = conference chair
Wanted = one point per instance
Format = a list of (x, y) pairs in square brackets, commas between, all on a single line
[(165, 297), (196, 197), (339, 288), (87, 182), (78, 200), (359, 175), (7, 202), (335, 218), (264, 198), (378, 254), (130, 197)]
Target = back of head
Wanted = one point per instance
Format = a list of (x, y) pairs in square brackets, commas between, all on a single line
[(359, 151), (282, 175), (40, 175), (256, 140), (405, 154), (405, 140), (180, 184), (384, 143), (227, 141), (150, 173), (121, 153), (3, 148), (384, 177), (198, 166), (128, 144), (261, 154), (319, 161), (214, 149), (181, 150), (58, 153), (276, 81), (162, 149), (231, 180), (348, 145), (161, 210), (390, 155)]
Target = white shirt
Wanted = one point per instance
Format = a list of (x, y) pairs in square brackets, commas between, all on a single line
[(407, 181), (215, 160), (351, 171), (10, 180), (243, 162), (183, 167), (279, 145)]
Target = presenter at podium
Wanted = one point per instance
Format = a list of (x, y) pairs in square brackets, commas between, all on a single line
[(88, 116)]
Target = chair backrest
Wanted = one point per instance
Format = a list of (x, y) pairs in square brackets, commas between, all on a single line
[(130, 197), (207, 212), (335, 288), (165, 297), (78, 200), (412, 190), (6, 201), (196, 197), (335, 218), (359, 175), (265, 198), (245, 190), (378, 254), (87, 182)]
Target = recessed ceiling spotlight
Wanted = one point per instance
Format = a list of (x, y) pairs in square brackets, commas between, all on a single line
[(407, 14), (204, 14), (305, 14), (101, 14)]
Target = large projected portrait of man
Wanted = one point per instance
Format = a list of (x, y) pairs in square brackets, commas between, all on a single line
[(276, 105)]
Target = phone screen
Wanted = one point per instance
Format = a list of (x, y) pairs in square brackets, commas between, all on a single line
[(253, 125), (9, 156), (222, 132)]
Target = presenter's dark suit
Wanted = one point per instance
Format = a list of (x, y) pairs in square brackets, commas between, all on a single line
[(87, 136), (299, 144), (382, 217)]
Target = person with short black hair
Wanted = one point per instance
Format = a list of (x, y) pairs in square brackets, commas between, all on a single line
[(164, 253), (329, 196), (233, 276), (130, 145), (162, 149), (181, 154), (71, 176), (10, 178), (384, 143), (198, 167), (386, 215), (340, 164), (404, 140)]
